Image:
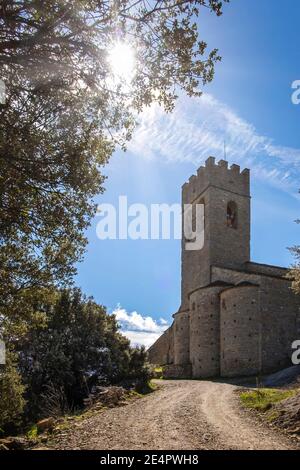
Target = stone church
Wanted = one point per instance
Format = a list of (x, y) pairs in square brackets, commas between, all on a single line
[(237, 317)]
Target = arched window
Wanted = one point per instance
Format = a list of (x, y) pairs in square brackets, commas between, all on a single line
[(232, 215)]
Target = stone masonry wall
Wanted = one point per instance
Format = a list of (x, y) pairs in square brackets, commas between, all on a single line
[(162, 351), (205, 332), (240, 331), (181, 338), (280, 311)]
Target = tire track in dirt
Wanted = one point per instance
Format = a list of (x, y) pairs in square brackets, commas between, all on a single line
[(180, 415)]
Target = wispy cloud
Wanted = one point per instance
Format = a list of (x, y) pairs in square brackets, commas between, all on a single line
[(138, 329), (198, 128)]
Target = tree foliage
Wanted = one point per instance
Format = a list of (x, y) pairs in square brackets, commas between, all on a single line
[(78, 346), (11, 394), (64, 114), (294, 273)]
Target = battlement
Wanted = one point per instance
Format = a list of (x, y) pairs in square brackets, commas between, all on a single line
[(219, 175), (237, 317)]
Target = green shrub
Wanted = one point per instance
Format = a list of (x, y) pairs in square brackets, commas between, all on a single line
[(11, 395), (78, 346), (33, 432)]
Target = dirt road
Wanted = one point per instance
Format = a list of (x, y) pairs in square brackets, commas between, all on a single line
[(180, 415)]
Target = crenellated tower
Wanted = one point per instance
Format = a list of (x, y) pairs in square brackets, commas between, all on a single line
[(225, 193), (237, 317)]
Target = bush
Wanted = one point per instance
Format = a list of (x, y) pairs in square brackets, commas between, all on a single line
[(11, 395), (139, 371), (78, 347)]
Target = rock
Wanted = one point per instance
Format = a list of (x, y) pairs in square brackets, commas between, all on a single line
[(295, 431), (3, 447), (109, 396), (87, 401), (46, 424), (41, 448), (20, 443), (98, 406), (5, 442), (14, 443)]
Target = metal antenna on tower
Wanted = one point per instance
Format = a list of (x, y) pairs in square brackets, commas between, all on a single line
[(225, 154)]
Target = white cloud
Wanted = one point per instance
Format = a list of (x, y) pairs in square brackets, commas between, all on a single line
[(141, 338), (138, 329), (198, 128)]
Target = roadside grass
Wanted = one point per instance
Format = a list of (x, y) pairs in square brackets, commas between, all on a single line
[(263, 399), (32, 433), (158, 372), (153, 386), (149, 387)]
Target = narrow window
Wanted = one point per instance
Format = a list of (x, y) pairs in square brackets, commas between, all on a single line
[(231, 215)]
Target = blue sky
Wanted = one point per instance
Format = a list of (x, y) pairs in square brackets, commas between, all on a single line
[(249, 105)]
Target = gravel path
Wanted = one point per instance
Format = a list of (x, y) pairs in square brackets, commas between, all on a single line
[(182, 415)]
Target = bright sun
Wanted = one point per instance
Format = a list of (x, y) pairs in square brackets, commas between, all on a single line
[(121, 58)]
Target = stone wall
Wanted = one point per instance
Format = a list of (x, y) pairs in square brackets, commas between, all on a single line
[(280, 310), (162, 351), (266, 269), (233, 276), (240, 331), (229, 247), (173, 371), (244, 329), (205, 332), (182, 338)]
